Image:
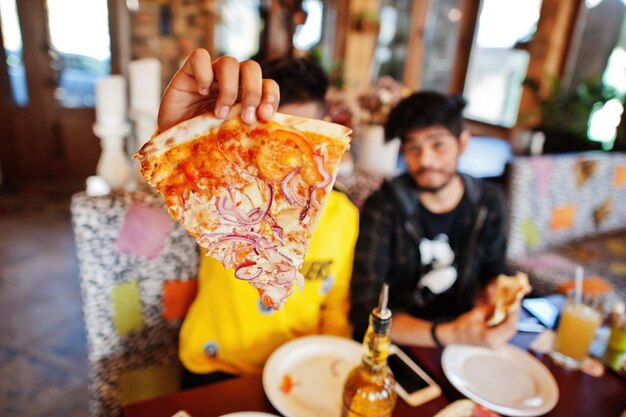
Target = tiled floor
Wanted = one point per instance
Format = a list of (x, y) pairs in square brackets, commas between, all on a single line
[(43, 360)]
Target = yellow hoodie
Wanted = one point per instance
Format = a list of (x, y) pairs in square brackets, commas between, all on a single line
[(227, 327)]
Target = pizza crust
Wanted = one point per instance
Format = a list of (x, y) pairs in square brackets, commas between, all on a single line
[(199, 126)]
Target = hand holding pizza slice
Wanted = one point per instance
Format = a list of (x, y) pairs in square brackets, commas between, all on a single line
[(251, 194), (508, 296)]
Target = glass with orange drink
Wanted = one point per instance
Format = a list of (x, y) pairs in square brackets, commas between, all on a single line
[(577, 329)]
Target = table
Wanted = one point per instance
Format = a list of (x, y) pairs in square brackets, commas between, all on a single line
[(238, 394), (580, 394)]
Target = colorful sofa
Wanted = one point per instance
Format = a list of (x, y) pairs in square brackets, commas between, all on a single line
[(138, 274), (568, 210)]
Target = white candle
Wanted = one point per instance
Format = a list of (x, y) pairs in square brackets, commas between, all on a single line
[(145, 85), (111, 101)]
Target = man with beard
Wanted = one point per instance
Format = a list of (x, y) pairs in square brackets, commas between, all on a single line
[(437, 237)]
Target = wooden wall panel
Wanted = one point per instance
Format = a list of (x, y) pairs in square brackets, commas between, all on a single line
[(415, 54), (548, 53), (360, 46), (467, 29)]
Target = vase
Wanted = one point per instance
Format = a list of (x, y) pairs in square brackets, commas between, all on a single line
[(373, 154)]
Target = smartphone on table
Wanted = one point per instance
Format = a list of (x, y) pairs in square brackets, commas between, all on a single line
[(413, 385), (546, 312)]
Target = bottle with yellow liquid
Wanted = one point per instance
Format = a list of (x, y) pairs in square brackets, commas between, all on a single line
[(369, 390)]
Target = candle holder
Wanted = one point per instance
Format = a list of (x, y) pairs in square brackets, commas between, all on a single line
[(145, 124), (113, 165)]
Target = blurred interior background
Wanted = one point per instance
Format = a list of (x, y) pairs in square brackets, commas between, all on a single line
[(515, 61), (540, 76)]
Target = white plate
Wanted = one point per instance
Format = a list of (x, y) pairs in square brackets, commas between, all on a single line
[(249, 414), (508, 380), (317, 366)]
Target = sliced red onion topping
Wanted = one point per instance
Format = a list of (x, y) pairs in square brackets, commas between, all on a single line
[(321, 168), (286, 274), (307, 206), (286, 187), (230, 212), (278, 232), (248, 271), (231, 238)]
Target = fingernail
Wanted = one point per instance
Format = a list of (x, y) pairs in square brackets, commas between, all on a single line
[(204, 91), (250, 114), (222, 113), (266, 111)]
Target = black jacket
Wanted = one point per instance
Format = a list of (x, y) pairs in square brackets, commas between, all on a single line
[(387, 249)]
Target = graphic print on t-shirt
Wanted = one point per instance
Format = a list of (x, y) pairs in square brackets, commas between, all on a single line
[(437, 258)]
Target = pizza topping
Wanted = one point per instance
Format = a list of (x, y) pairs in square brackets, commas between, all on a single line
[(248, 270), (286, 274), (287, 217), (190, 171), (250, 195), (326, 177), (307, 206), (286, 187)]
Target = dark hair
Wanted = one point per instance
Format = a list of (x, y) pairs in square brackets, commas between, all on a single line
[(301, 80), (426, 109)]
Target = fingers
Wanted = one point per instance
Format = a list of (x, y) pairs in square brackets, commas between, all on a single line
[(499, 335), (200, 86), (259, 97), (198, 66), (251, 85), (226, 71), (269, 100)]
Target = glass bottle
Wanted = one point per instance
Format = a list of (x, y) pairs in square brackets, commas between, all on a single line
[(369, 390)]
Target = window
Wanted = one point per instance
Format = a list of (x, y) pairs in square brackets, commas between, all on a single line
[(440, 43), (239, 29), (597, 33), (12, 42), (309, 34), (391, 48), (80, 49), (498, 61)]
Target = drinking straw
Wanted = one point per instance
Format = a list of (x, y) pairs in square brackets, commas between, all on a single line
[(578, 288)]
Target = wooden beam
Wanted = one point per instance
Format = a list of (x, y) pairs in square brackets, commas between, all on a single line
[(341, 30), (360, 45), (39, 144), (281, 30), (467, 29), (415, 52), (548, 52), (119, 33)]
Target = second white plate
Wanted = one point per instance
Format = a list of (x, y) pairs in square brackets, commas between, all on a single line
[(316, 367), (508, 380)]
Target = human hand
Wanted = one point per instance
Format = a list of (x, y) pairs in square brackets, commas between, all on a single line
[(471, 328), (201, 86)]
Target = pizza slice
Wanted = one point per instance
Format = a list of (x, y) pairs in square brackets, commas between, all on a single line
[(250, 194), (509, 292)]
